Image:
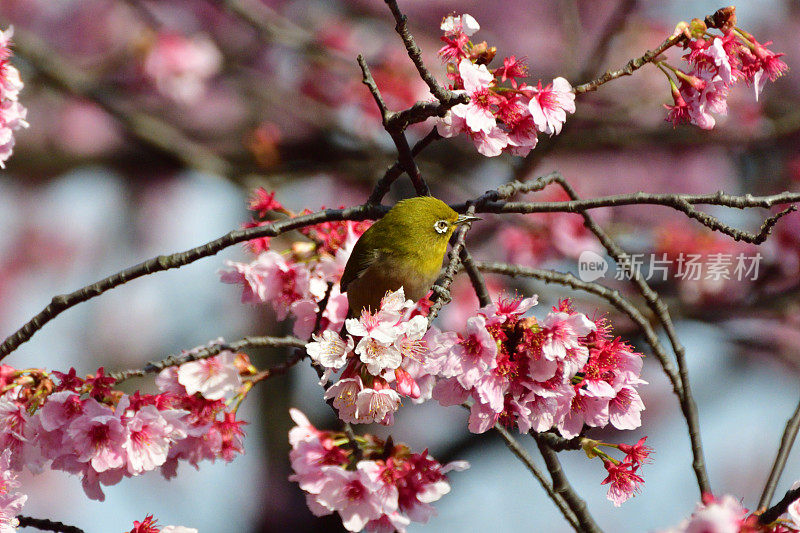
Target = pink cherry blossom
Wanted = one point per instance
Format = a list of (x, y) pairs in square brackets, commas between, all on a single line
[(344, 394), (98, 437), (625, 409), (562, 333), (12, 113), (623, 482), (147, 440), (377, 405), (717, 515), (477, 113), (489, 144), (213, 377), (549, 105), (474, 355), (352, 494), (329, 350)]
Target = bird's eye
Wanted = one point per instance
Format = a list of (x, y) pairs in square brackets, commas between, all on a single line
[(441, 226)]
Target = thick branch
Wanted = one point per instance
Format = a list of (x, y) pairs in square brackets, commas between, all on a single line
[(787, 441), (562, 487), (61, 303)]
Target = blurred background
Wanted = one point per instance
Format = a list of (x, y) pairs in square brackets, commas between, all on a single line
[(152, 121)]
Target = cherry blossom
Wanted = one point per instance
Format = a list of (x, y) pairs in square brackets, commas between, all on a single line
[(213, 377), (329, 350), (477, 114), (386, 489), (549, 105), (623, 481), (455, 24)]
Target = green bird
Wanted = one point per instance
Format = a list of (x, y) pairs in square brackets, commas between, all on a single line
[(403, 249)]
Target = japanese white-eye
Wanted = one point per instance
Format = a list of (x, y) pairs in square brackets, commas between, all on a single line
[(403, 249)]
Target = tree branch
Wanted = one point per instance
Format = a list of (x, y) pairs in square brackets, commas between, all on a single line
[(683, 203), (44, 524), (208, 351), (563, 488), (523, 455), (630, 67), (787, 441), (61, 303), (772, 514)]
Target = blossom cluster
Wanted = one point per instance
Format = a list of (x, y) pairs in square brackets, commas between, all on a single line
[(372, 484), (715, 64), (149, 525), (294, 281), (566, 371), (503, 114), (12, 113), (384, 355), (86, 427)]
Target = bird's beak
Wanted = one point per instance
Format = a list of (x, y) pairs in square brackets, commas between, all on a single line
[(464, 218)]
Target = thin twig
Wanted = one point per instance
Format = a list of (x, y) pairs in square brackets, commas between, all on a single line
[(475, 277), (523, 455), (441, 94), (44, 524), (562, 487), (630, 67), (208, 351), (772, 514), (787, 441)]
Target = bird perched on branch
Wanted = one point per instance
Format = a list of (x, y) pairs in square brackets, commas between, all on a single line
[(403, 249)]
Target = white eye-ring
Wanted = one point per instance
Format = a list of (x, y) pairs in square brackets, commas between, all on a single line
[(441, 226)]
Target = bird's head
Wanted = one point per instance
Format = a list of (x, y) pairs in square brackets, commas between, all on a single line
[(427, 219)]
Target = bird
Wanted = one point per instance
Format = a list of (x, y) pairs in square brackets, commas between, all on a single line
[(404, 249)]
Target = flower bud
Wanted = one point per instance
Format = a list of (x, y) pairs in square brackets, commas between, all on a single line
[(723, 19), (697, 28)]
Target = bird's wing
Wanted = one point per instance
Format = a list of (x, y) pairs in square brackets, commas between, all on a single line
[(360, 260)]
